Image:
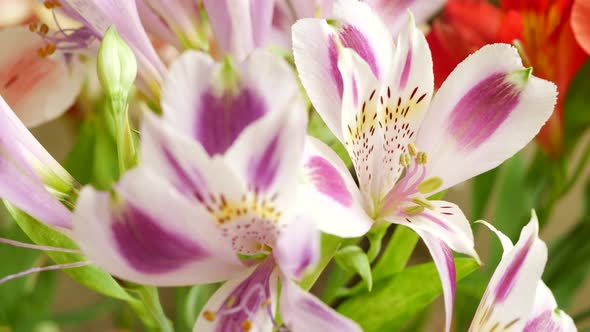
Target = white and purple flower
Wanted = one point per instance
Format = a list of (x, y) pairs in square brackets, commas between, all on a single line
[(516, 299), (214, 198), (375, 95)]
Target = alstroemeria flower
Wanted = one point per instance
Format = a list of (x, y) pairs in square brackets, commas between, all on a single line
[(218, 181), (96, 16), (375, 96), (541, 28), (516, 299), (38, 89), (29, 177)]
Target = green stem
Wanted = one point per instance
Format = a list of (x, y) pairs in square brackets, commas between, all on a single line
[(151, 300)]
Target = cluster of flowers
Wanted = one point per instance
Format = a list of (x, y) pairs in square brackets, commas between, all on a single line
[(230, 188)]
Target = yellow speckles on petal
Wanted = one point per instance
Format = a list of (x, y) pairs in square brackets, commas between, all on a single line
[(413, 210), (429, 185), (226, 210)]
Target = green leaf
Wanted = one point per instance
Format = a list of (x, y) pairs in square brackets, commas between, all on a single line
[(318, 129), (395, 301), (354, 259), (482, 187), (330, 245), (80, 159), (576, 115), (397, 253), (89, 276)]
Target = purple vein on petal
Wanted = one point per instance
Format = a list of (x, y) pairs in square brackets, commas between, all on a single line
[(263, 168), (328, 181), (148, 247)]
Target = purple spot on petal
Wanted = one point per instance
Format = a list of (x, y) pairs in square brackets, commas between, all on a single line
[(263, 168), (482, 110), (149, 248), (328, 180), (333, 55), (509, 277), (192, 184), (450, 261), (406, 70), (543, 322), (222, 118)]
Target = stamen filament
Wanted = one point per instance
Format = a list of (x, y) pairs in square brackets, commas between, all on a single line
[(37, 247), (44, 268)]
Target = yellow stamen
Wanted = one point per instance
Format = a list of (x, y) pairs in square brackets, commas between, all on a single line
[(33, 27), (44, 29), (416, 209), (421, 158), (208, 315), (405, 160), (429, 185), (412, 149), (231, 301), (49, 49), (246, 325), (422, 202)]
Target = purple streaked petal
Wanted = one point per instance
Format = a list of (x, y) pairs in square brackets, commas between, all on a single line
[(301, 311), (487, 101), (482, 110), (315, 48), (262, 168), (545, 315), (393, 12), (329, 195), (214, 103), (511, 293), (445, 264), (298, 247), (147, 234), (222, 118), (327, 180), (406, 70)]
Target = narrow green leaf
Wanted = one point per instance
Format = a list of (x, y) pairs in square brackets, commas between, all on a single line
[(396, 300), (397, 253), (89, 276), (354, 259), (330, 245), (482, 187)]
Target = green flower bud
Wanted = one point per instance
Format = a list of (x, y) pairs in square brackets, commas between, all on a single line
[(116, 66)]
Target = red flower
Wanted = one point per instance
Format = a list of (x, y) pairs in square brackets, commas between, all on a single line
[(542, 30)]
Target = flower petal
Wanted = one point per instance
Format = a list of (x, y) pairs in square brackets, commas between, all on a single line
[(244, 303), (186, 165), (298, 248), (510, 295), (404, 100), (23, 164), (268, 153), (315, 48), (328, 193), (98, 15), (546, 316), (445, 221), (38, 89), (445, 264), (488, 109), (301, 311), (393, 12), (203, 100), (240, 26), (150, 234), (579, 20)]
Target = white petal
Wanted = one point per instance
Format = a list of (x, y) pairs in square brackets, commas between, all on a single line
[(303, 312), (394, 12), (298, 248), (510, 295), (545, 315), (329, 195), (150, 234), (486, 111)]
